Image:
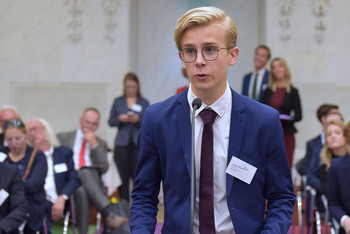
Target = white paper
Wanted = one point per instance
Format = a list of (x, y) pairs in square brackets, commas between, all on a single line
[(61, 167), (2, 157), (241, 170), (136, 108), (3, 196)]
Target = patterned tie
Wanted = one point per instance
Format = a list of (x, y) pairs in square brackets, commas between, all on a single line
[(206, 189), (82, 154), (254, 86)]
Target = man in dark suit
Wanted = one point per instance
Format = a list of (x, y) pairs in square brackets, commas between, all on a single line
[(13, 203), (247, 161), (62, 179), (322, 112), (254, 83), (6, 114), (338, 193), (90, 159)]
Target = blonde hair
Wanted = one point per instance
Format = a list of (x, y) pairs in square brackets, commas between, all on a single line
[(203, 16), (326, 152), (272, 79)]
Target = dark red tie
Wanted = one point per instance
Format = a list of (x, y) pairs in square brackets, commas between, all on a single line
[(206, 197)]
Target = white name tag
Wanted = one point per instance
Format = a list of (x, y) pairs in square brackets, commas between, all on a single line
[(241, 170), (136, 108), (3, 196), (61, 167), (2, 157)]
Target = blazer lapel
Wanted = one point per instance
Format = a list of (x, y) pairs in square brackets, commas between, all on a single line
[(184, 126), (238, 120)]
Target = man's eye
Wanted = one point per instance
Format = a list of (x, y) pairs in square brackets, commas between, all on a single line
[(189, 51), (210, 49)]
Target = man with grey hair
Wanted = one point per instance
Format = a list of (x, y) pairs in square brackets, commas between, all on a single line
[(61, 179), (7, 113)]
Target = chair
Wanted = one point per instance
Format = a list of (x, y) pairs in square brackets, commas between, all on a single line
[(67, 215)]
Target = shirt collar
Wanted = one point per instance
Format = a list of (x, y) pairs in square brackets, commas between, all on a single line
[(49, 152), (219, 106)]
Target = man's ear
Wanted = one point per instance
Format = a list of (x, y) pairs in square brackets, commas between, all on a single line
[(234, 52)]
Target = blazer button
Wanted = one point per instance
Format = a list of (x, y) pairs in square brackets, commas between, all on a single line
[(233, 207)]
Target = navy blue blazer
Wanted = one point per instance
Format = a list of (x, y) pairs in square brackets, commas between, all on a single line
[(38, 206), (66, 181), (256, 137), (126, 131), (313, 172), (304, 163), (246, 83), (13, 211), (338, 192)]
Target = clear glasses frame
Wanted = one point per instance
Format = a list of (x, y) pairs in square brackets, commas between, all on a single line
[(209, 53)]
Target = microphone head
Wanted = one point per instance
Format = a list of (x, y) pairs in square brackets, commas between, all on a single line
[(197, 103)]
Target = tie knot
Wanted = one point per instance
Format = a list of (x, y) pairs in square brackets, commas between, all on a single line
[(208, 116)]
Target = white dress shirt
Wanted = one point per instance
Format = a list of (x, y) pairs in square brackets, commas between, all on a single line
[(259, 81), (50, 184), (221, 130)]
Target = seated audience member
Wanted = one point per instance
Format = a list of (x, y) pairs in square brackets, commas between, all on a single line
[(62, 179), (33, 169), (7, 113), (13, 203), (338, 192), (90, 159), (335, 146), (322, 112)]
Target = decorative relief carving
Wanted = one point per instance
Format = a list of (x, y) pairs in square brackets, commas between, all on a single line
[(75, 23), (110, 8), (284, 22), (319, 11)]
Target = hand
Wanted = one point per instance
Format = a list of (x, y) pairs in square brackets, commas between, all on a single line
[(91, 138), (134, 118), (124, 118), (346, 225), (57, 209)]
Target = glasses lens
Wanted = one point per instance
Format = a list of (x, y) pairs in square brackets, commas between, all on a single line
[(188, 55), (14, 123), (210, 53)]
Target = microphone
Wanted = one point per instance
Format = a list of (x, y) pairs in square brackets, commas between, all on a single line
[(196, 104)]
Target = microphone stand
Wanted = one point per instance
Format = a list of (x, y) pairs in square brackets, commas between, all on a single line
[(195, 104)]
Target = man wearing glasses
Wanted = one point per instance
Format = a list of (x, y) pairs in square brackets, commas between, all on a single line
[(90, 160), (240, 159)]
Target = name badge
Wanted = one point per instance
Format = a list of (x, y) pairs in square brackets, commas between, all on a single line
[(61, 167), (3, 196), (2, 157), (241, 170), (136, 108)]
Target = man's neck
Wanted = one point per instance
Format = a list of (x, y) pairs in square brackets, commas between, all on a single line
[(45, 146)]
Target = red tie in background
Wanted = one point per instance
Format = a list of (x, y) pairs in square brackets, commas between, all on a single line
[(82, 154), (206, 189)]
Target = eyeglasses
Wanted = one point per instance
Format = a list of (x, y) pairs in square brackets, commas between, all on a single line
[(209, 53), (14, 123)]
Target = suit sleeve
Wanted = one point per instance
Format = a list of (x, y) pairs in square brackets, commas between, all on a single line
[(297, 107), (36, 178), (334, 194), (73, 181), (147, 182), (18, 203), (113, 120), (313, 178), (99, 156), (279, 188)]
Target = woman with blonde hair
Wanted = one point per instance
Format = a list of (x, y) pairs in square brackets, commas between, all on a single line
[(335, 146), (281, 95)]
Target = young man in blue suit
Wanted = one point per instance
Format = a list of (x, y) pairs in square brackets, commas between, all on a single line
[(249, 160), (254, 83)]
